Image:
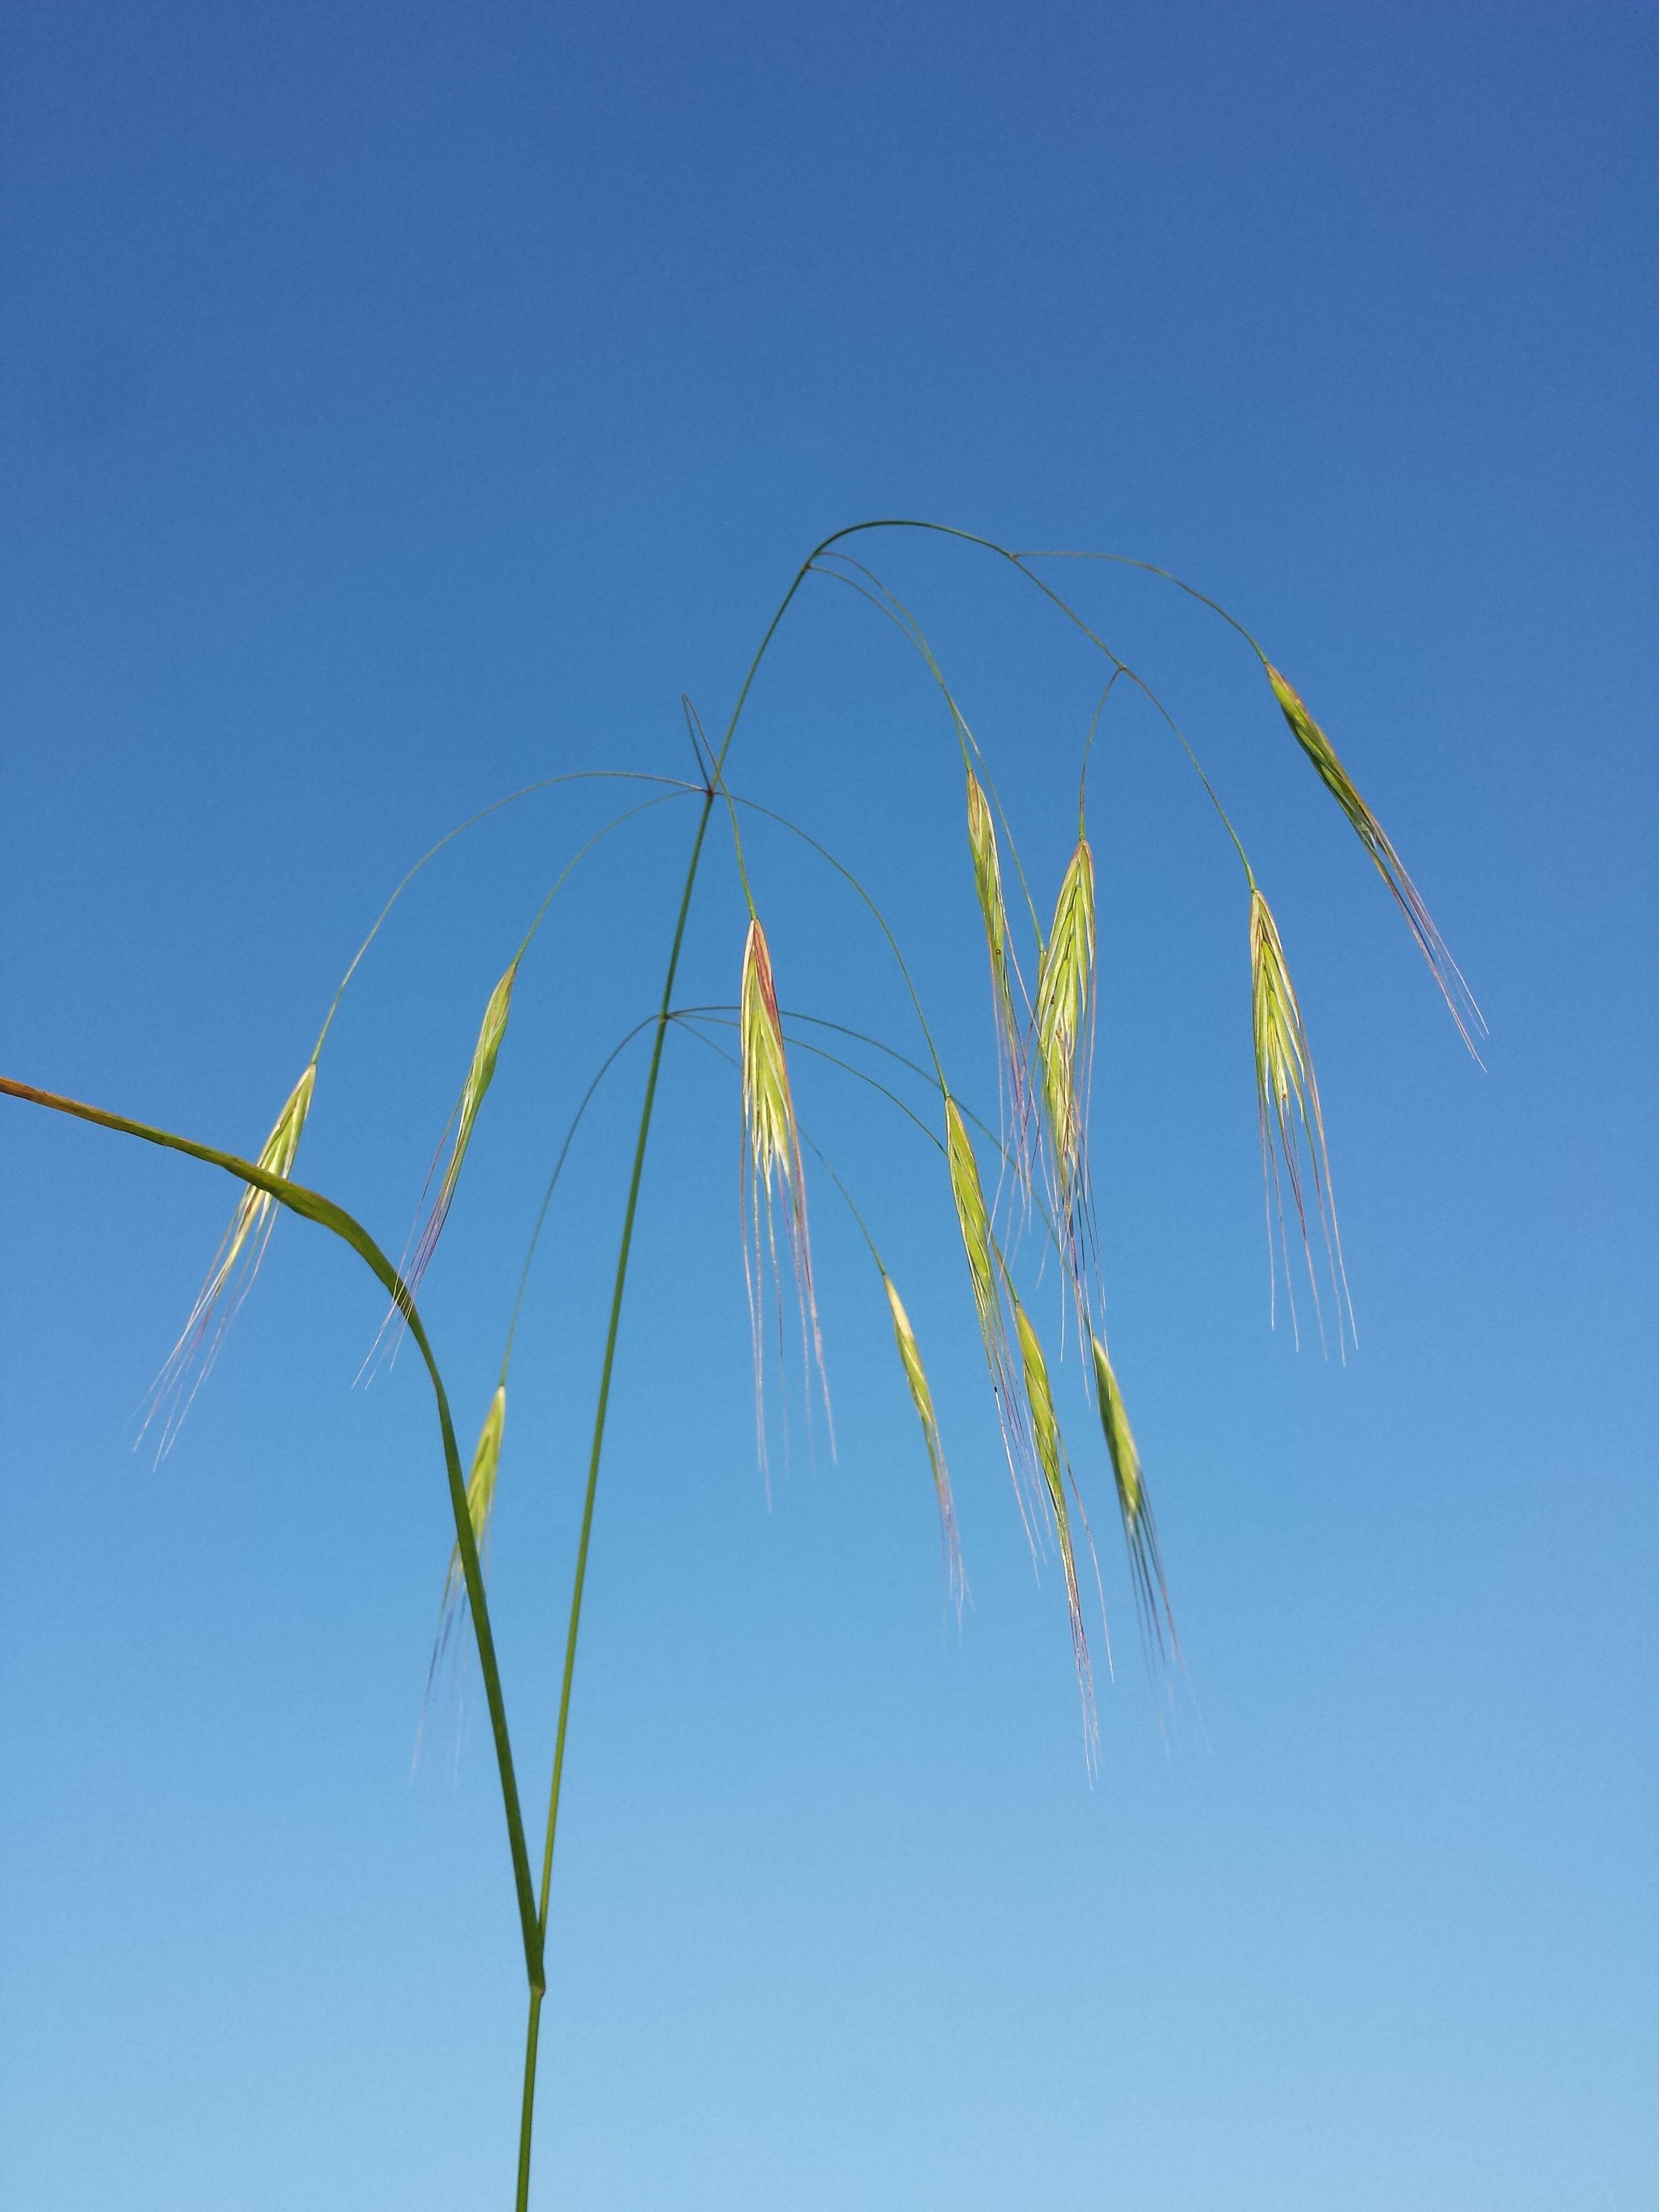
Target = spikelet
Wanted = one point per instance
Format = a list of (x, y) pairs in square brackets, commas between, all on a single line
[(1139, 1533), (1336, 780), (922, 1398), (1051, 1459), (979, 1240), (1064, 1046), (234, 1266), (994, 913), (975, 1220), (480, 1499), (1292, 1121), (774, 1179), (479, 1076)]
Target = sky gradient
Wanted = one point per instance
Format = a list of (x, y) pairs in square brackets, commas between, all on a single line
[(398, 405)]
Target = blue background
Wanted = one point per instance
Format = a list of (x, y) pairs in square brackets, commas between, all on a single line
[(399, 404)]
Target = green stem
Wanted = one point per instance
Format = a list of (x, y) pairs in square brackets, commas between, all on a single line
[(312, 1205), (527, 2115), (527, 2108), (527, 2121), (713, 790)]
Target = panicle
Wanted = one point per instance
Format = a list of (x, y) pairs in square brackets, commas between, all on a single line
[(1293, 1151), (774, 1181), (1460, 1000), (234, 1266), (922, 1398)]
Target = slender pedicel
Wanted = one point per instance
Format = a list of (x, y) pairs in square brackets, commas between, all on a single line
[(496, 806)]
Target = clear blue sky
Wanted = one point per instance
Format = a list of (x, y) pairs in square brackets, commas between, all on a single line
[(400, 403)]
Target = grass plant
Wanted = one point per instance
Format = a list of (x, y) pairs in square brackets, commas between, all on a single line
[(1033, 1210)]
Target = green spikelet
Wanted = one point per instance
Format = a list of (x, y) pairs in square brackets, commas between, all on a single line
[(1051, 1459), (1065, 1048), (978, 1242), (774, 1177), (1139, 1533), (1293, 1154), (234, 1266), (922, 1398), (1389, 866), (480, 1501), (479, 1077), (994, 914)]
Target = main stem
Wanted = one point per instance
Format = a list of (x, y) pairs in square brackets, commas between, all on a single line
[(533, 2032)]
